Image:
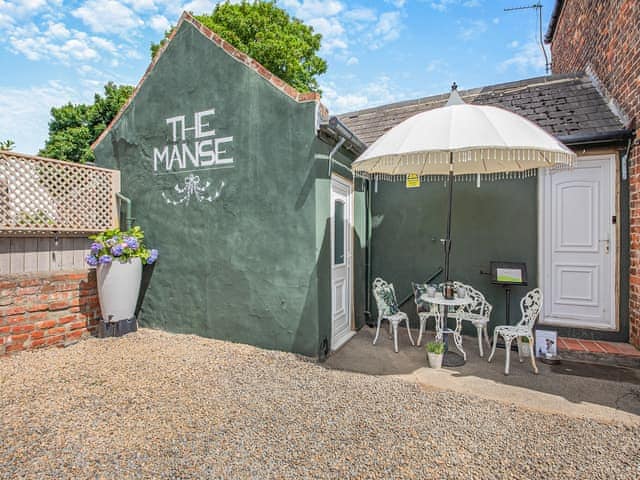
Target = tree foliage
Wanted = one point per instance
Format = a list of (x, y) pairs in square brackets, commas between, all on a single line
[(7, 144), (73, 128), (282, 44)]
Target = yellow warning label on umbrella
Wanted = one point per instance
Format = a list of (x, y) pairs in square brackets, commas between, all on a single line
[(413, 180)]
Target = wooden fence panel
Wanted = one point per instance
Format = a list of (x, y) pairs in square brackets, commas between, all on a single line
[(42, 254)]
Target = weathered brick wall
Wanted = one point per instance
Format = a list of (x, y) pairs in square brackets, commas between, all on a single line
[(604, 37), (47, 309)]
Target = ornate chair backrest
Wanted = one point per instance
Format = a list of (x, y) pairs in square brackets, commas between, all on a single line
[(530, 306), (478, 304), (385, 297)]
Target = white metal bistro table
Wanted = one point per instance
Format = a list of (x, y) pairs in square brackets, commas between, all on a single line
[(438, 306)]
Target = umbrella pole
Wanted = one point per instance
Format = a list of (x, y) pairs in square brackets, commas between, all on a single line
[(447, 239), (450, 359)]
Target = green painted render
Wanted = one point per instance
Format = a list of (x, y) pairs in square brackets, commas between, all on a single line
[(253, 265), (497, 221)]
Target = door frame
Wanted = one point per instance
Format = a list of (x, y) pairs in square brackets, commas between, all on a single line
[(614, 203), (350, 236)]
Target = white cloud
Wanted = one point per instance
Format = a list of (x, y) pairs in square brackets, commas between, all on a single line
[(332, 33), (105, 44), (438, 66), (58, 30), (199, 6), (309, 9), (386, 30), (342, 103), (526, 60), (360, 15), (396, 3), (22, 7), (57, 43), (351, 97), (78, 50), (108, 16), (159, 23), (442, 5), (12, 11), (352, 61), (28, 122), (471, 28), (142, 5)]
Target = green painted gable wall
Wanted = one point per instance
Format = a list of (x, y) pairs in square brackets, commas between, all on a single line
[(253, 265)]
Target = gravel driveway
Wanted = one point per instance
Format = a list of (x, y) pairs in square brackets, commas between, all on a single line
[(158, 405)]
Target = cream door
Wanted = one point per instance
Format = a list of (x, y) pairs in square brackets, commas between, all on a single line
[(341, 261), (578, 244)]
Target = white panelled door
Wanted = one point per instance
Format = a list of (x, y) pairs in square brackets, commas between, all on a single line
[(578, 244), (341, 261)]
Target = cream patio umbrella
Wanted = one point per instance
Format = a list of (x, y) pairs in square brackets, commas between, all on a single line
[(461, 139)]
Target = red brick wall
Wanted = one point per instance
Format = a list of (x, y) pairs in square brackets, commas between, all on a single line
[(47, 309), (604, 37)]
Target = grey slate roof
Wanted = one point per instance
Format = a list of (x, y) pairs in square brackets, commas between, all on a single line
[(563, 105)]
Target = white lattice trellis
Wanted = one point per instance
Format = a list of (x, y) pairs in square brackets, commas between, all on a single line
[(44, 195)]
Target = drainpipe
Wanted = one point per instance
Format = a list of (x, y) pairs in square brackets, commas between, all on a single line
[(367, 253), (128, 218), (624, 160)]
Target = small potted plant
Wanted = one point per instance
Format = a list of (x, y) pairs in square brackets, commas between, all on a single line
[(118, 258), (523, 346), (435, 353)]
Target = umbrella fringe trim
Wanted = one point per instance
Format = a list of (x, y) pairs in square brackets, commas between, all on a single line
[(471, 177), (420, 159)]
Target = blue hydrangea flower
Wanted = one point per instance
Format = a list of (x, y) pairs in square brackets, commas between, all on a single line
[(116, 250), (96, 247), (105, 259), (153, 256), (91, 260), (112, 241), (131, 242)]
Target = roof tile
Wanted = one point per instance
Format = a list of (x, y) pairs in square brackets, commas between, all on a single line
[(561, 104)]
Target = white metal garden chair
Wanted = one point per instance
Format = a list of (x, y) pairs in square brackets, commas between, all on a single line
[(478, 313), (530, 306), (424, 312), (388, 309)]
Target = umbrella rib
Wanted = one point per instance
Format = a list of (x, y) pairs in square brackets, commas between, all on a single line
[(397, 165), (375, 166), (518, 164)]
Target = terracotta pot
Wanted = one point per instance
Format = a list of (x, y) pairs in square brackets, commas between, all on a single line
[(118, 288)]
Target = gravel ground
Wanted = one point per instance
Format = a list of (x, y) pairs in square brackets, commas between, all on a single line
[(158, 405)]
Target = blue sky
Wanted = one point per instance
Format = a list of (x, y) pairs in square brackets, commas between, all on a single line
[(56, 51)]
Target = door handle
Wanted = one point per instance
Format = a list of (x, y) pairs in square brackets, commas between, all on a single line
[(606, 245)]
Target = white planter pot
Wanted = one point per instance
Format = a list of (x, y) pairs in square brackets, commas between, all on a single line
[(435, 359), (118, 288), (525, 349)]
